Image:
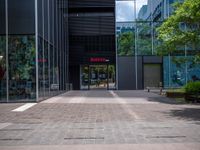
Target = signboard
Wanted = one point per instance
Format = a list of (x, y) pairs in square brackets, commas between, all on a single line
[(98, 59)]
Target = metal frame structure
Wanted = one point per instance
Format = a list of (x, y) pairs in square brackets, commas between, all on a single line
[(36, 48)]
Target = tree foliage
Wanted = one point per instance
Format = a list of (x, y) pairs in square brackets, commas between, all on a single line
[(182, 28), (126, 44)]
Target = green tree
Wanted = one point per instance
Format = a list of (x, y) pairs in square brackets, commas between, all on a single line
[(126, 44), (181, 28)]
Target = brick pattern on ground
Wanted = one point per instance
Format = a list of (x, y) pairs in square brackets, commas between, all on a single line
[(60, 121)]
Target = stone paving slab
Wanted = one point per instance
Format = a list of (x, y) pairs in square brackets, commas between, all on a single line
[(172, 146), (118, 117), (105, 133)]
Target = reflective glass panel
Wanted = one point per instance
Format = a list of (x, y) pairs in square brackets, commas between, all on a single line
[(22, 78)]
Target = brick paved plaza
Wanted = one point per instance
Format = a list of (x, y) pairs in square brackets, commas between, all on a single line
[(93, 120)]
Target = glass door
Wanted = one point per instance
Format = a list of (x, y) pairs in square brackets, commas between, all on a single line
[(98, 77), (84, 78), (111, 77)]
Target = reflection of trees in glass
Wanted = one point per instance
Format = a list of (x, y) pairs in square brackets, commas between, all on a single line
[(126, 41), (21, 67), (21, 57), (144, 39), (2, 57), (178, 74), (111, 72), (126, 44), (2, 68)]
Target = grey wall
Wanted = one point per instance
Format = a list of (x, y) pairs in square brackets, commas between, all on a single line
[(152, 59), (126, 71)]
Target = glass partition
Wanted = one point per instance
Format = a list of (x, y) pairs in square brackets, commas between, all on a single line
[(22, 79), (84, 77), (136, 35), (3, 84)]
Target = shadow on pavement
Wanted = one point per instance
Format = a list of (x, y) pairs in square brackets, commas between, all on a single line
[(190, 114), (165, 100)]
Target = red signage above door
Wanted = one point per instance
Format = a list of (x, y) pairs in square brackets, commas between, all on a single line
[(98, 59)]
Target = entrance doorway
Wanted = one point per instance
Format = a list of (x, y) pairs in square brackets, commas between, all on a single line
[(96, 77)]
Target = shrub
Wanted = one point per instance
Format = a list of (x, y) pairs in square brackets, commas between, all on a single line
[(193, 87)]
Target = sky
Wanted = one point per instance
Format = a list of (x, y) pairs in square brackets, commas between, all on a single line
[(125, 10)]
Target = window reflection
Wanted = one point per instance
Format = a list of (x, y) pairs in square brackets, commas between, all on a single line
[(22, 82), (2, 68)]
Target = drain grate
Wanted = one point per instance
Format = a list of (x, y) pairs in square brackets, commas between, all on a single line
[(87, 128), (85, 138), (9, 139), (83, 128), (168, 137), (29, 122), (157, 128)]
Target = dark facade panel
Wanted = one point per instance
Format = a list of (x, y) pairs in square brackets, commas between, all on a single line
[(91, 34), (2, 17), (92, 25), (46, 18), (40, 18), (75, 77), (126, 73), (91, 30), (21, 16), (91, 3), (152, 59)]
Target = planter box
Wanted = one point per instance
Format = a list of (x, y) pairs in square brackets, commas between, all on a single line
[(172, 94), (192, 97)]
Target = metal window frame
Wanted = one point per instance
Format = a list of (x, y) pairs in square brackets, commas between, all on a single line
[(36, 49), (7, 63)]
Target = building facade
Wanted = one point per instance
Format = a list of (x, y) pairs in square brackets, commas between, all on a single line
[(92, 44), (147, 69), (48, 47), (33, 49)]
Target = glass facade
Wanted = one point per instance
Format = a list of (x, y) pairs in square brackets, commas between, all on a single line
[(52, 48), (18, 64), (3, 84), (137, 37), (21, 62)]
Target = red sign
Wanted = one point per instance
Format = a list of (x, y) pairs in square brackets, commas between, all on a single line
[(42, 60), (98, 59)]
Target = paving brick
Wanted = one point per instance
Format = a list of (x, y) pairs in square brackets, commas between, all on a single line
[(101, 117)]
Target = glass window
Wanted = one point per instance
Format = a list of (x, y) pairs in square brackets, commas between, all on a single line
[(46, 70), (40, 69), (125, 11), (3, 69), (22, 81), (144, 38), (2, 52)]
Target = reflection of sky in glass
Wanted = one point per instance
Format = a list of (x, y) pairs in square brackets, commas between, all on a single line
[(125, 9)]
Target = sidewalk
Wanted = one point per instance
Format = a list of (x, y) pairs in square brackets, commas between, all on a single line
[(101, 120)]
